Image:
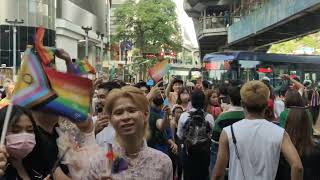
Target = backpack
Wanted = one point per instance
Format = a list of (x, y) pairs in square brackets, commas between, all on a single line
[(197, 133)]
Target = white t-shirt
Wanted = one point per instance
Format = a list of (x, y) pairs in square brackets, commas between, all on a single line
[(278, 107), (185, 116), (106, 136), (259, 144)]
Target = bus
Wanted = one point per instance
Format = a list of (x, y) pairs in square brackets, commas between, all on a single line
[(245, 66)]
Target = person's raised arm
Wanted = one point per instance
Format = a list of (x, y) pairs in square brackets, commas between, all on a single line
[(62, 54), (162, 124), (169, 87), (180, 126), (86, 126), (155, 90), (222, 158), (295, 82), (292, 157)]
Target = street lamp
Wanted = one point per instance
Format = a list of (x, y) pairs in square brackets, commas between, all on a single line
[(101, 47), (101, 51), (109, 29), (14, 24), (86, 30)]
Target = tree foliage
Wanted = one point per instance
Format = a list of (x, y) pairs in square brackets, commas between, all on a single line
[(289, 47), (149, 24)]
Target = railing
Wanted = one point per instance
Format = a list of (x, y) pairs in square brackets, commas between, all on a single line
[(183, 64), (179, 61), (213, 22)]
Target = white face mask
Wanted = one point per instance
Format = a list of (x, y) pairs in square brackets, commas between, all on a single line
[(20, 145)]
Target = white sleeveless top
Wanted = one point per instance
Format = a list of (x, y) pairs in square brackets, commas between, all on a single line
[(259, 145)]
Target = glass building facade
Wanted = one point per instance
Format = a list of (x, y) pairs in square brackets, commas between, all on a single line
[(35, 13)]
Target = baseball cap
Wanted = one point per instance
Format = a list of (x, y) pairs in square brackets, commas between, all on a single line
[(265, 79), (177, 81)]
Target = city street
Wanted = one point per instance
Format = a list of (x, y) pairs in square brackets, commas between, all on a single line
[(159, 89)]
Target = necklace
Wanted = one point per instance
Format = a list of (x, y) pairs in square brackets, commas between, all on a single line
[(133, 154)]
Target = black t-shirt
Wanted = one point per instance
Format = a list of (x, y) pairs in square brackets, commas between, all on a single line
[(310, 166), (45, 153), (12, 174), (40, 161), (156, 136)]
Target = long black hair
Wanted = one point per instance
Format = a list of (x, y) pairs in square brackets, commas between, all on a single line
[(17, 112)]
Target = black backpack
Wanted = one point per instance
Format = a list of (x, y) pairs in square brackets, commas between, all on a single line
[(197, 133)]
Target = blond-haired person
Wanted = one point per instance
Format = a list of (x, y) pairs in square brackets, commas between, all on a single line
[(253, 145), (129, 111)]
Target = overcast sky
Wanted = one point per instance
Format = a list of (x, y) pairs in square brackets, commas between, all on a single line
[(187, 26)]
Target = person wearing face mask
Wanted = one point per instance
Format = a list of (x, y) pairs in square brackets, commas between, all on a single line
[(184, 99), (177, 110), (20, 141), (159, 126)]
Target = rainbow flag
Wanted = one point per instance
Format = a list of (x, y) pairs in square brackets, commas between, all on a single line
[(159, 70), (32, 86), (86, 67), (74, 95), (46, 54), (83, 67), (4, 102)]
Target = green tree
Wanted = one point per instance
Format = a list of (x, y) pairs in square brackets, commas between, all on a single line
[(288, 47), (149, 24)]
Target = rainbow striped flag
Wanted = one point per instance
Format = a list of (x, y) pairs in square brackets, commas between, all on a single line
[(86, 67), (73, 92), (83, 67), (46, 54), (32, 86), (74, 95), (159, 70)]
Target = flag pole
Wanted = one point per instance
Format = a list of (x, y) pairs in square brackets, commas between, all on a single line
[(5, 124)]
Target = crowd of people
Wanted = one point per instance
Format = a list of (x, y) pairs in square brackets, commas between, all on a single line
[(171, 132), (213, 20)]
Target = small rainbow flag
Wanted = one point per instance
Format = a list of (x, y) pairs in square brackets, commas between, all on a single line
[(74, 95), (83, 67), (86, 67), (46, 53), (159, 70)]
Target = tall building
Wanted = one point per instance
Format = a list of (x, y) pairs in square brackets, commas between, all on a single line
[(209, 19), (34, 14), (62, 20), (72, 15), (116, 57), (188, 58)]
